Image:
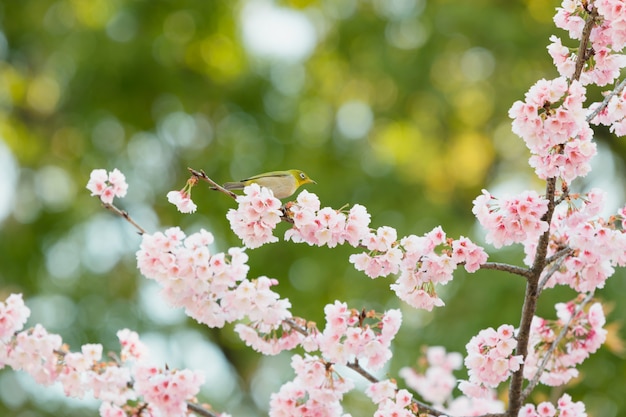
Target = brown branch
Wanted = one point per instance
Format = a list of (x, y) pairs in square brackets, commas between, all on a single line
[(125, 216), (617, 90), (557, 259), (532, 285), (201, 175), (198, 409), (512, 269), (583, 54), (530, 304), (295, 326)]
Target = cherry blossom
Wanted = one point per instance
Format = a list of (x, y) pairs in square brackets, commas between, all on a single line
[(585, 335), (107, 186), (436, 382), (565, 408), (256, 217), (316, 390), (490, 359)]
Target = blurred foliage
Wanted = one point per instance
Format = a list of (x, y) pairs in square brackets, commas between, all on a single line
[(400, 105)]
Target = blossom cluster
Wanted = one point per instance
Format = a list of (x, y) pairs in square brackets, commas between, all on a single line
[(43, 356), (212, 287), (316, 390), (166, 391), (107, 185), (552, 120), (512, 220), (608, 38), (422, 262), (490, 360), (256, 216), (435, 381), (565, 407), (552, 124), (417, 260), (596, 246), (390, 400), (347, 337), (325, 226), (13, 316), (584, 336)]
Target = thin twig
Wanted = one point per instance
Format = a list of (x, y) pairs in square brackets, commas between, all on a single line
[(422, 407), (295, 326), (557, 262), (125, 216), (200, 410), (560, 254), (617, 90), (513, 269), (214, 186), (544, 361)]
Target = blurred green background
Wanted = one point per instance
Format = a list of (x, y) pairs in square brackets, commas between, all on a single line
[(399, 105)]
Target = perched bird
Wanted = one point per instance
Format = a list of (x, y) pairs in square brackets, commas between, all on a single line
[(282, 183)]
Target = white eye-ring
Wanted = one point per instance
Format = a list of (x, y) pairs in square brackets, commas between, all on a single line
[(302, 175)]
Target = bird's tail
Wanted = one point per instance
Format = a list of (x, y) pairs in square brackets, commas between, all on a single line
[(233, 185)]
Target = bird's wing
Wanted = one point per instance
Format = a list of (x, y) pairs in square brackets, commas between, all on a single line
[(273, 174)]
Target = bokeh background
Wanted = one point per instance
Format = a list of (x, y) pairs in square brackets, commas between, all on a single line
[(400, 105)]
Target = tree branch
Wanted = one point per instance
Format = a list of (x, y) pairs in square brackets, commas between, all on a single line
[(530, 304), (201, 175), (558, 259), (583, 55), (540, 261), (617, 90), (125, 216), (200, 410), (513, 269)]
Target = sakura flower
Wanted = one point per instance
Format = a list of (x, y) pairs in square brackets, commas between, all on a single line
[(107, 186), (256, 217)]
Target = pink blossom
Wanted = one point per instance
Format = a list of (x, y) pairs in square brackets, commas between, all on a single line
[(390, 400), (512, 220), (315, 391), (112, 385), (34, 353), (565, 408), (585, 335), (466, 252), (107, 186), (167, 391), (13, 316), (346, 337), (110, 410), (256, 217), (551, 121), (325, 226), (182, 201), (132, 347), (596, 248), (382, 390), (562, 57), (476, 406), (490, 358), (435, 385)]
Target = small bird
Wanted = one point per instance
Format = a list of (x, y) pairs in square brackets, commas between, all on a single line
[(282, 183)]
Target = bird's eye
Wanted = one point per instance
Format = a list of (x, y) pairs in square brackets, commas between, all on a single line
[(302, 175)]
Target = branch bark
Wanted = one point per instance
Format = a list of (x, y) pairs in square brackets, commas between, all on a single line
[(516, 397)]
